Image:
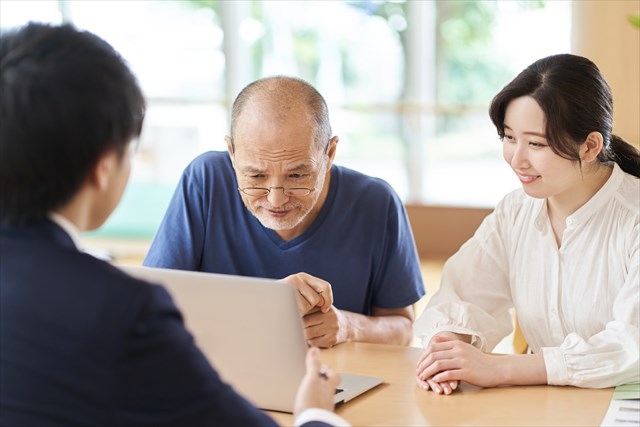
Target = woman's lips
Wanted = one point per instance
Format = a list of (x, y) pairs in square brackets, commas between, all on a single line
[(527, 179)]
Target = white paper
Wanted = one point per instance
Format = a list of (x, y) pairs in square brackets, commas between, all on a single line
[(622, 412)]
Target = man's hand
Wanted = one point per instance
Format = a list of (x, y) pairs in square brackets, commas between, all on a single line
[(313, 293), (326, 329), (384, 326), (318, 385)]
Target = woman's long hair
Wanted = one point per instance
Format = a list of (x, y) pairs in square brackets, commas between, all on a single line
[(576, 100)]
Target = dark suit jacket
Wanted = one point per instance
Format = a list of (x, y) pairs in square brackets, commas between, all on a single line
[(82, 343)]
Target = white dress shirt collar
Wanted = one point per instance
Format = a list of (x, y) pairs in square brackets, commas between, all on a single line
[(68, 227)]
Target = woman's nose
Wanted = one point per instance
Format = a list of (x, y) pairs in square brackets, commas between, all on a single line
[(519, 156)]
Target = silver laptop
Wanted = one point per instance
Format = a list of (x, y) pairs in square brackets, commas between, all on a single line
[(250, 330)]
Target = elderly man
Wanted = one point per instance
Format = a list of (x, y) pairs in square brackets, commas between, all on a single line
[(82, 343), (276, 206)]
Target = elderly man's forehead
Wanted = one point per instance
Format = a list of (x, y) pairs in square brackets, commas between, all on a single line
[(279, 109)]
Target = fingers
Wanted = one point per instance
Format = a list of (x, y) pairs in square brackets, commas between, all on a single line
[(440, 387), (320, 330), (438, 366), (440, 347), (441, 370), (315, 367), (423, 356), (445, 388), (423, 384), (318, 385), (310, 300), (322, 288), (312, 361), (425, 367), (434, 386), (313, 292), (321, 342)]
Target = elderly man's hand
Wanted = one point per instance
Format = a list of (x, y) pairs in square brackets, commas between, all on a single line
[(325, 330), (314, 294)]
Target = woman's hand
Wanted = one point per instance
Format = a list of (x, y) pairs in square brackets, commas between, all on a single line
[(447, 360), (429, 384)]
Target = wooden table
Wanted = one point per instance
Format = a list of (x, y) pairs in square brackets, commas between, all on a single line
[(398, 401)]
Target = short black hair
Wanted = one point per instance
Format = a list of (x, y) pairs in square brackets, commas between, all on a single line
[(67, 98)]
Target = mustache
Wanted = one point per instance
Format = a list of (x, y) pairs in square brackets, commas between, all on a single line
[(288, 206)]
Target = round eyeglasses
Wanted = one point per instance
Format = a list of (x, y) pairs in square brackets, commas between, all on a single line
[(291, 192)]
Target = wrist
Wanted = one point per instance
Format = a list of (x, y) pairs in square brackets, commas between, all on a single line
[(520, 369), (347, 331), (455, 336), (505, 368)]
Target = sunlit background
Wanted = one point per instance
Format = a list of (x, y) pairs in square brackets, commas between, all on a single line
[(408, 82)]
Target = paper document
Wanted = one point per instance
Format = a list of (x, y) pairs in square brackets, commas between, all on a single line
[(624, 409)]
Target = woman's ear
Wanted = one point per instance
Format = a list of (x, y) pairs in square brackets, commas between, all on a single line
[(592, 147)]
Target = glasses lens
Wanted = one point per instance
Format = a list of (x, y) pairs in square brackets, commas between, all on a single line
[(297, 192), (255, 191)]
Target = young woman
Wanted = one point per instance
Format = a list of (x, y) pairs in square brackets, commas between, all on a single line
[(563, 251)]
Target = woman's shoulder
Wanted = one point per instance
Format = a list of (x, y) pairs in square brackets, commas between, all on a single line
[(628, 192)]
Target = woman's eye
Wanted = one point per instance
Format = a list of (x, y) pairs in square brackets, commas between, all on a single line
[(508, 137), (537, 144)]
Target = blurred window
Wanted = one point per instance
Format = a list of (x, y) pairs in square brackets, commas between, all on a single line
[(408, 83)]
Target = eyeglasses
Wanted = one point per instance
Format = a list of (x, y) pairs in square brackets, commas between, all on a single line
[(291, 192)]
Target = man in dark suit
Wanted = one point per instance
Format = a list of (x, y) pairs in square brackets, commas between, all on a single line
[(82, 343)]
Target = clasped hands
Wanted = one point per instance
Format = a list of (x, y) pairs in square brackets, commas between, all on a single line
[(447, 360), (324, 325)]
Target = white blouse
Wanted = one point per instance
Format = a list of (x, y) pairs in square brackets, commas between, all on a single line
[(579, 304)]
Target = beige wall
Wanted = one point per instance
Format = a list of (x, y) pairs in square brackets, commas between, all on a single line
[(602, 33), (439, 230)]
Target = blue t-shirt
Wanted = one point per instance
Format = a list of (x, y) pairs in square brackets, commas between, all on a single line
[(360, 242)]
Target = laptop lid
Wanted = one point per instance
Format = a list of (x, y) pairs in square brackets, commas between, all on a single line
[(250, 330)]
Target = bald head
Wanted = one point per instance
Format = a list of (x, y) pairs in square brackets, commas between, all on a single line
[(279, 97)]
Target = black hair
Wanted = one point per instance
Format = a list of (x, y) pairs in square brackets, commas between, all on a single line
[(67, 98), (576, 100)]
